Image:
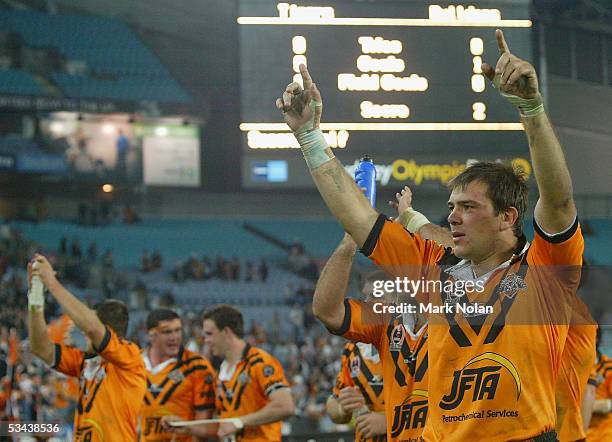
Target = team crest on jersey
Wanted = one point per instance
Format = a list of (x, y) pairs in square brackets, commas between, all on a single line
[(376, 380), (176, 376), (355, 366), (268, 371), (397, 338), (511, 285), (244, 378)]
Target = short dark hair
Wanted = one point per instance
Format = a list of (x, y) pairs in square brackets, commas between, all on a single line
[(114, 314), (160, 314), (226, 316), (506, 187)]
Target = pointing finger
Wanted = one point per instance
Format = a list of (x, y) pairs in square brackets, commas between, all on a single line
[(501, 42), (306, 79)]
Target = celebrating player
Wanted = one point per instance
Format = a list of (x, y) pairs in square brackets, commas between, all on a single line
[(494, 350), (401, 340), (112, 374), (251, 386), (180, 383)]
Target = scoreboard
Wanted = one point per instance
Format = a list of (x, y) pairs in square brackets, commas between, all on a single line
[(400, 80)]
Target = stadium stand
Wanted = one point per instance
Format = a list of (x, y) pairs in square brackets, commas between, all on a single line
[(91, 57)]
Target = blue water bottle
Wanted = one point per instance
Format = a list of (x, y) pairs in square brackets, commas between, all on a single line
[(365, 177)]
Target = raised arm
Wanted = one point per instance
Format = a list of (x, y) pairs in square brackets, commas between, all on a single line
[(518, 83), (40, 344), (416, 222), (328, 300), (83, 317), (302, 110)]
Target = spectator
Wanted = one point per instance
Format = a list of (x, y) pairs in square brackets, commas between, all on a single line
[(263, 270), (92, 252), (235, 268), (75, 249), (156, 260), (145, 262)]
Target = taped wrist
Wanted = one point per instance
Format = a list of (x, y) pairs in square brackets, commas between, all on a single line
[(314, 147), (412, 220), (527, 107)]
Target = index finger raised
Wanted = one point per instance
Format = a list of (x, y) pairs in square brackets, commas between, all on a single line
[(501, 42), (306, 79)]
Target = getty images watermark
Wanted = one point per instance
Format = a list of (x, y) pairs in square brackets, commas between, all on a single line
[(455, 291)]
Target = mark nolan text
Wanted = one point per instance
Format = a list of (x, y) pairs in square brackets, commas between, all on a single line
[(405, 307)]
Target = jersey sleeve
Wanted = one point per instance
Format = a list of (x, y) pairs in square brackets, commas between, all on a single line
[(398, 251), (203, 383), (119, 352), (563, 249), (343, 379), (68, 360), (270, 375), (361, 323)]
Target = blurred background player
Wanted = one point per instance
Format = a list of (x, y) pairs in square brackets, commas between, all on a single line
[(401, 340), (600, 427), (359, 385), (180, 383), (111, 371), (251, 384)]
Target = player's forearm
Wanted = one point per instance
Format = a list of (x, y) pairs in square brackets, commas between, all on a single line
[(328, 300), (40, 344), (345, 201), (586, 409), (83, 317), (274, 411), (438, 234), (336, 412), (548, 161)]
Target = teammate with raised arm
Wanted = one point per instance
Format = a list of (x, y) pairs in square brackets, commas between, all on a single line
[(111, 372), (494, 361), (400, 341)]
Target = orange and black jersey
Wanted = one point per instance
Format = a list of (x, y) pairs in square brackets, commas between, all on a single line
[(181, 386), (600, 429), (361, 367), (245, 388), (576, 365), (494, 352), (112, 387), (404, 362)]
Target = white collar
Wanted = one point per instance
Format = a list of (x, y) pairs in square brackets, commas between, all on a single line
[(462, 271), (368, 351), (226, 371), (409, 322), (159, 367)]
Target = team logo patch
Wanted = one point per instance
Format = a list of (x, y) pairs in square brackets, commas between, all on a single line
[(376, 380), (512, 284), (397, 338), (208, 379), (268, 371), (244, 378), (176, 376), (355, 366)]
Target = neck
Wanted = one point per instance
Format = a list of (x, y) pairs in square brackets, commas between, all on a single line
[(235, 350), (156, 357), (500, 255)]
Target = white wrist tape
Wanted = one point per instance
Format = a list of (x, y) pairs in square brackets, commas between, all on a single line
[(413, 220), (314, 147), (527, 107)]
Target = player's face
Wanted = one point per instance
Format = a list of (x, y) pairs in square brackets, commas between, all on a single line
[(167, 337), (213, 337), (473, 222)]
